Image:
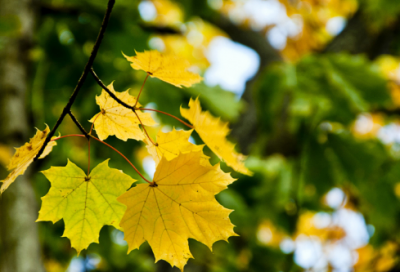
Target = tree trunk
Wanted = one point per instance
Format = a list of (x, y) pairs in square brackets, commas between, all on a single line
[(19, 243)]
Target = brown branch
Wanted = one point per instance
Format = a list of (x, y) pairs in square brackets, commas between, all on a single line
[(98, 80), (78, 125), (83, 76)]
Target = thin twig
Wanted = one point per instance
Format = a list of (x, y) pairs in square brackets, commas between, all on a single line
[(110, 146), (170, 115), (78, 125), (98, 80), (145, 131), (85, 72), (137, 98)]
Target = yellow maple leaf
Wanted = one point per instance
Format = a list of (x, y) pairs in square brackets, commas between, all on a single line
[(168, 13), (115, 119), (85, 203), (5, 154), (169, 68), (213, 132), (179, 205), (171, 144), (24, 156)]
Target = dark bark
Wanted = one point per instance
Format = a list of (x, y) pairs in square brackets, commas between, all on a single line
[(359, 37), (355, 38), (19, 242)]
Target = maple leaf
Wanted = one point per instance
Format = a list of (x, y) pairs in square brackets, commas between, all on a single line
[(24, 156), (213, 132), (171, 144), (85, 203), (115, 119), (168, 67), (180, 204), (5, 154)]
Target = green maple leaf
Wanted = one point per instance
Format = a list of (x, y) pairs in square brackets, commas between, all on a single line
[(85, 203)]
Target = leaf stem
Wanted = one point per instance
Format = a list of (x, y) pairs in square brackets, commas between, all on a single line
[(69, 135), (144, 129), (82, 79), (113, 148), (88, 169), (137, 98), (170, 115), (110, 146), (98, 80), (91, 128)]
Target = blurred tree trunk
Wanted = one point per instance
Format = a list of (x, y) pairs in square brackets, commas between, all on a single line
[(19, 243)]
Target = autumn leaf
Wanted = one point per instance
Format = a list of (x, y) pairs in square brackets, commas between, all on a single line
[(85, 203), (24, 156), (115, 119), (179, 205), (213, 132), (6, 154), (171, 144), (169, 68)]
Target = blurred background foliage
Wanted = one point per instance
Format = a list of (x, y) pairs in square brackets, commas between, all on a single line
[(313, 95)]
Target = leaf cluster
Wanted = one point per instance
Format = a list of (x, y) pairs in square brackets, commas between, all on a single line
[(180, 201)]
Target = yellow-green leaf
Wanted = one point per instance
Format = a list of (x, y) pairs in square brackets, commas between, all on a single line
[(167, 67), (115, 119), (85, 203), (24, 156), (179, 205), (170, 144), (213, 132)]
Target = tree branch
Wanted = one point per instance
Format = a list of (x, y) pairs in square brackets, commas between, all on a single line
[(98, 80), (358, 38), (78, 125), (82, 79)]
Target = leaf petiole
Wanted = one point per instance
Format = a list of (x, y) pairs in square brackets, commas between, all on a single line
[(170, 115), (113, 148), (137, 99), (88, 169), (110, 146), (144, 129), (65, 136), (91, 128)]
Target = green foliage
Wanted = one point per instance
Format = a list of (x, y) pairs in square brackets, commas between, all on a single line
[(305, 144), (381, 13), (333, 88)]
